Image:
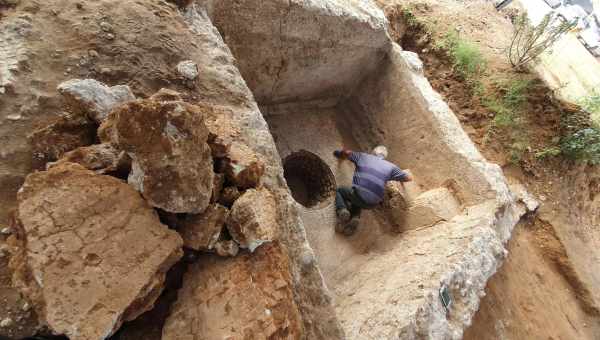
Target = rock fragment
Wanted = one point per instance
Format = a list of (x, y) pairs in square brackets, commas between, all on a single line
[(218, 182), (7, 322), (201, 232), (171, 162), (227, 248), (244, 168), (253, 219), (94, 253), (101, 158), (222, 133), (66, 133), (188, 69), (228, 196), (166, 95), (245, 297), (94, 98)]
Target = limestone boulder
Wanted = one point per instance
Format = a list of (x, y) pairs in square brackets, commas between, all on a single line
[(424, 210), (201, 232), (253, 219), (171, 162), (245, 297), (244, 168), (100, 158), (64, 134), (93, 255), (301, 50), (93, 97)]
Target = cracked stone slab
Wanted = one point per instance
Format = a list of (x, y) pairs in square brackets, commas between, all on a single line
[(94, 253), (244, 297)]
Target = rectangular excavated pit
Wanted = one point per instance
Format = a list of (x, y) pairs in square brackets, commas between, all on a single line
[(326, 75), (385, 282)]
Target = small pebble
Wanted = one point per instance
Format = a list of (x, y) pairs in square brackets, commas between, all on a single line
[(6, 323), (26, 307), (14, 117), (6, 231), (105, 26)]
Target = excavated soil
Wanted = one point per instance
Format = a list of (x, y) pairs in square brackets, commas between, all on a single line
[(526, 299)]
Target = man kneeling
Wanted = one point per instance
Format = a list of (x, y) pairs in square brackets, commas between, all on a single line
[(368, 185)]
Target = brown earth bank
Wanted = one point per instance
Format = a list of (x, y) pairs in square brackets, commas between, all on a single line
[(529, 297), (547, 288)]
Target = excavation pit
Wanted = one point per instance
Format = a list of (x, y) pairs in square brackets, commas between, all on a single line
[(341, 84), (309, 178)]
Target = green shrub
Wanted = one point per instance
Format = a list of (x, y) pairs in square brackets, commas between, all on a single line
[(528, 41), (503, 116), (583, 145), (515, 92), (591, 104), (468, 62)]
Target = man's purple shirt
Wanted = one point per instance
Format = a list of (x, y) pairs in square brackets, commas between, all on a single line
[(371, 175)]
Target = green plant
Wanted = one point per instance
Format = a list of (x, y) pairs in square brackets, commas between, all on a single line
[(551, 151), (528, 41), (591, 104), (515, 92), (409, 17), (507, 102), (583, 145), (467, 60), (516, 151)]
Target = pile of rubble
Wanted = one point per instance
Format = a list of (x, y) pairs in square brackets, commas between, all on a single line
[(78, 221)]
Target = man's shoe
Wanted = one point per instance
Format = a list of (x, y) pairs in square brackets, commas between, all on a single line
[(351, 227), (344, 215)]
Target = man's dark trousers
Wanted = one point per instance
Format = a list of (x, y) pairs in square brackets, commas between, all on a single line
[(348, 198)]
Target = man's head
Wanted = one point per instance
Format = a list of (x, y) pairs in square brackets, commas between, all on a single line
[(380, 151)]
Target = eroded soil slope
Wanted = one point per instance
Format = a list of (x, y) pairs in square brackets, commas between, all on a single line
[(547, 287)]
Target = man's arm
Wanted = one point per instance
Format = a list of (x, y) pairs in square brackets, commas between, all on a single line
[(400, 176), (347, 154)]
